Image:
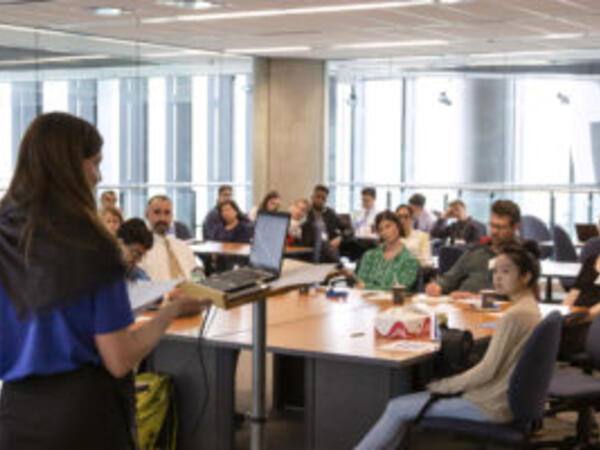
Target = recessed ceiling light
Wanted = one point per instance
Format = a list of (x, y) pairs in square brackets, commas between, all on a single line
[(516, 62), (563, 36), (109, 11), (503, 55), (392, 44), (20, 2), (189, 4), (259, 50), (52, 59)]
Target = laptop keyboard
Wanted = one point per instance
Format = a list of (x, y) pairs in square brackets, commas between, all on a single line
[(237, 279)]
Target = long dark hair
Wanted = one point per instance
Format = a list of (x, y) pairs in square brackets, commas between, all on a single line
[(53, 245), (525, 256), (389, 215), (234, 205), (270, 196), (49, 179)]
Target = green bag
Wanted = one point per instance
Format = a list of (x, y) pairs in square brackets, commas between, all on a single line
[(156, 412)]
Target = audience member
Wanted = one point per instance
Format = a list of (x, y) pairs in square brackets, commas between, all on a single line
[(135, 240), (482, 391), (234, 226), (390, 263), (322, 229), (297, 211), (212, 221), (471, 273), (169, 258), (585, 295), (270, 203), (181, 231), (424, 220), (416, 241), (108, 198), (464, 230), (364, 219), (112, 218)]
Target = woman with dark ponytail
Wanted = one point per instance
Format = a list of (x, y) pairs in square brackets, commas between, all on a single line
[(66, 348), (484, 387)]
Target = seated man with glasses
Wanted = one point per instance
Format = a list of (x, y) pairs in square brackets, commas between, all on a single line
[(471, 273), (135, 240)]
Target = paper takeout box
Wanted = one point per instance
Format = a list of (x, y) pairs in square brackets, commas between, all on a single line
[(402, 323)]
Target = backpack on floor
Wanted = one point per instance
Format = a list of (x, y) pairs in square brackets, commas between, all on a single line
[(156, 412)]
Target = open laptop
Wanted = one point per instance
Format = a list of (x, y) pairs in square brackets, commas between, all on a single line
[(266, 256), (586, 231)]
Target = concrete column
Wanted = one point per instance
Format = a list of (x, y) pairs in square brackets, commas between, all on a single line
[(488, 133), (289, 127)]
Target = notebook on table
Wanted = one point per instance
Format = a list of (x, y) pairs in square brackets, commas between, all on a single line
[(266, 256)]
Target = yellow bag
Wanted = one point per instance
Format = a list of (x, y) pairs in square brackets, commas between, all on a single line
[(156, 412)]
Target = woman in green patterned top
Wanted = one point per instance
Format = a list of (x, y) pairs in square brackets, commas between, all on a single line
[(390, 263)]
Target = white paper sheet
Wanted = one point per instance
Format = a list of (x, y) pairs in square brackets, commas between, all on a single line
[(406, 345), (141, 293), (297, 272)]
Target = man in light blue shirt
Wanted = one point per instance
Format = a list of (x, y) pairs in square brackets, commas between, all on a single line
[(424, 220), (364, 219)]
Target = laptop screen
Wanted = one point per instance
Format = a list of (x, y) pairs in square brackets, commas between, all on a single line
[(270, 230)]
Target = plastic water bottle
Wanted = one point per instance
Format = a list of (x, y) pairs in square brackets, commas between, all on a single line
[(434, 328), (197, 275)]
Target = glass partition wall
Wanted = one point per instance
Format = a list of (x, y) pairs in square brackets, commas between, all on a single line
[(476, 136), (173, 120)]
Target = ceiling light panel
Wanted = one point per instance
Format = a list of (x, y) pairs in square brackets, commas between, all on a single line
[(392, 44), (109, 11), (296, 11)]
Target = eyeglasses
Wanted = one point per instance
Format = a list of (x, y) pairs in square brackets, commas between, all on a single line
[(136, 255), (495, 226), (403, 216)]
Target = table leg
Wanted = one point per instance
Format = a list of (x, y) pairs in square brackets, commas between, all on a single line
[(549, 289), (258, 416)]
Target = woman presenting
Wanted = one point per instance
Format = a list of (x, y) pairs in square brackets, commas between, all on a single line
[(66, 346)]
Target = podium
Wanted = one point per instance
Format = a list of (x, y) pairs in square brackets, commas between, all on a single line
[(257, 295)]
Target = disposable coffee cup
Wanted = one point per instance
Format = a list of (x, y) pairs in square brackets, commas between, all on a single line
[(398, 293), (487, 298)]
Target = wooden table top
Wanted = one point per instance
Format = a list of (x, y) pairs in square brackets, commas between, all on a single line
[(238, 249), (560, 269), (312, 324)]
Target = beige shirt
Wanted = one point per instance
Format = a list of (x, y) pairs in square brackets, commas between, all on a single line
[(156, 260), (418, 244), (486, 384)]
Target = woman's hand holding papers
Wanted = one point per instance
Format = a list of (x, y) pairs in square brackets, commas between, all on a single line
[(185, 306)]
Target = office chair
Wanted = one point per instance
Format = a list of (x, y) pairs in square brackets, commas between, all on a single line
[(580, 391), (527, 391), (481, 228), (590, 248), (448, 257), (564, 251), (534, 229)]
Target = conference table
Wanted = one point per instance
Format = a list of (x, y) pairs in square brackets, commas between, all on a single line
[(238, 249), (557, 269), (349, 373)]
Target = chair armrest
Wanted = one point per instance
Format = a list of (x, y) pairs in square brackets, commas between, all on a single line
[(583, 361)]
